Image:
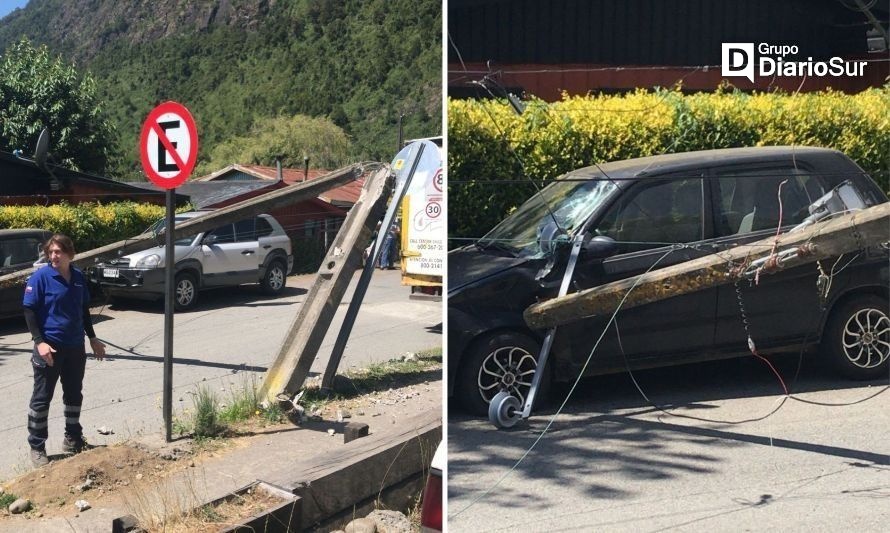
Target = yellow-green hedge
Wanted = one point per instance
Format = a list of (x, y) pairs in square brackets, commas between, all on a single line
[(551, 139), (90, 225)]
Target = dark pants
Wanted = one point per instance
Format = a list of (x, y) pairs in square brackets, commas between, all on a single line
[(386, 252), (69, 365)]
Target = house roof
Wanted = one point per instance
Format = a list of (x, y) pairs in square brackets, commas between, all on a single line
[(343, 196), (205, 194), (63, 174)]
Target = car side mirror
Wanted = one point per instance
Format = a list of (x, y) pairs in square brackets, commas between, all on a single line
[(209, 240), (599, 247)]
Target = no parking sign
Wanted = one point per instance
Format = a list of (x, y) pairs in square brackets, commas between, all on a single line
[(169, 145)]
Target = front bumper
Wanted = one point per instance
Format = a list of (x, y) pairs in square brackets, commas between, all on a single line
[(126, 281)]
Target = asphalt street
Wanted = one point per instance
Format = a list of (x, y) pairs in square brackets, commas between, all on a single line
[(612, 461), (231, 338)]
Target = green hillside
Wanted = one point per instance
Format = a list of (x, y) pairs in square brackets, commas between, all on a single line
[(360, 63)]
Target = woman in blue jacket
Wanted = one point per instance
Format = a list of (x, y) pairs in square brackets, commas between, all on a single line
[(57, 310)]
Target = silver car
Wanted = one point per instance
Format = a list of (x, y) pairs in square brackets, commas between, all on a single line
[(253, 250)]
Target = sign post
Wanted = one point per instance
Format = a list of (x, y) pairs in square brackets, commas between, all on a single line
[(169, 148)]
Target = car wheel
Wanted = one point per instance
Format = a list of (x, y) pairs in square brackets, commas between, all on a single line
[(857, 342), (500, 362), (275, 279), (185, 295)]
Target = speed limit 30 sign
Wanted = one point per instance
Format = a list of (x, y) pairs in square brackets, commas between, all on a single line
[(169, 145)]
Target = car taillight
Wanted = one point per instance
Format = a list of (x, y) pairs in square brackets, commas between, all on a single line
[(431, 512)]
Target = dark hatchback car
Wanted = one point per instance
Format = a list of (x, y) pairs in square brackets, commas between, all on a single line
[(710, 201), (19, 249)]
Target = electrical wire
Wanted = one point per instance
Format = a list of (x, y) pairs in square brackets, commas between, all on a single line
[(521, 162)]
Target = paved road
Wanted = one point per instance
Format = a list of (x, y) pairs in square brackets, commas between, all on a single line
[(611, 462), (232, 337)]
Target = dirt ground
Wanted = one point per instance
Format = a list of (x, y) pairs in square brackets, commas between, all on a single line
[(54, 488), (114, 476)]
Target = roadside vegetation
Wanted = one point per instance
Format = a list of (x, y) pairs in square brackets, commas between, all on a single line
[(213, 415), (90, 225), (267, 62), (487, 139), (6, 499)]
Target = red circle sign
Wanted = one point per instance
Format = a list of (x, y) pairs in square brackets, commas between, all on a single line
[(169, 145), (437, 180)]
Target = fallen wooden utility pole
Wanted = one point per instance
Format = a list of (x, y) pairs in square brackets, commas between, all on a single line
[(294, 360), (846, 233), (254, 206)]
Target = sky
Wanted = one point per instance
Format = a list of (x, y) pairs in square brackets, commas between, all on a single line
[(8, 5)]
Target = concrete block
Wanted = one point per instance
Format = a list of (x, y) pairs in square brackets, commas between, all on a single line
[(354, 430)]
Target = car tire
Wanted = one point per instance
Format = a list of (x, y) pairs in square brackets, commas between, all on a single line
[(275, 279), (185, 292), (857, 339), (480, 376)]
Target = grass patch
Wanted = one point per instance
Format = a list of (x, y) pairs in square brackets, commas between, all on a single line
[(210, 417), (381, 376), (244, 402), (6, 499), (206, 413), (378, 377)]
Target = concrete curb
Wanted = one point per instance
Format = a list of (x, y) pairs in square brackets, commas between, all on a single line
[(334, 482), (361, 469)]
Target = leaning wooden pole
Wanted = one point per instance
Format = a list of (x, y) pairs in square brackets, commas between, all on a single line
[(306, 333), (846, 233), (247, 208)]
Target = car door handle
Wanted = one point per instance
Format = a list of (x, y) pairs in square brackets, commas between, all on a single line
[(266, 246), (247, 252)]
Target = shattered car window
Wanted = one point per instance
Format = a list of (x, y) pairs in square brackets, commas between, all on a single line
[(571, 201)]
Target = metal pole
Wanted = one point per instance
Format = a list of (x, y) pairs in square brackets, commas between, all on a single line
[(352, 311), (169, 266)]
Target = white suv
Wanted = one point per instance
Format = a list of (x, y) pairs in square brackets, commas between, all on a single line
[(254, 250)]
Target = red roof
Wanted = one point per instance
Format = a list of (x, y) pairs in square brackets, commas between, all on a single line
[(345, 194)]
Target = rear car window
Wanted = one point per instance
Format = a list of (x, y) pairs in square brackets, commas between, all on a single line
[(747, 200), (245, 230), (263, 228)]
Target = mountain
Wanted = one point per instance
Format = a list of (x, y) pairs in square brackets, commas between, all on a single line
[(361, 63)]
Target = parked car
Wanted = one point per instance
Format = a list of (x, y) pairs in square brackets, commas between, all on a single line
[(253, 250), (19, 249), (708, 200), (433, 494)]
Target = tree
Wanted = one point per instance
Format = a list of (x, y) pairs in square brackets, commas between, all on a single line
[(289, 137), (38, 91)]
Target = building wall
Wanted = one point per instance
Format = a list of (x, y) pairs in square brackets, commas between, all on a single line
[(576, 45)]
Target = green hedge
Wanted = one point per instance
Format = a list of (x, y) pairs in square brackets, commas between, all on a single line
[(551, 139), (90, 225)]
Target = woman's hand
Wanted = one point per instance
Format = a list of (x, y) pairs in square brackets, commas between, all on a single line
[(45, 351), (98, 348)]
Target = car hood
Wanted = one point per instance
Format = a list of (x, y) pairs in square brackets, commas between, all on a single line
[(469, 265), (180, 252)]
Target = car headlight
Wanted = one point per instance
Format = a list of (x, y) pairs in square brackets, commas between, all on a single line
[(149, 261)]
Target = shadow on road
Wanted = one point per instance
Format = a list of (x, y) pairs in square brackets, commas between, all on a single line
[(135, 356), (601, 444), (214, 299)]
